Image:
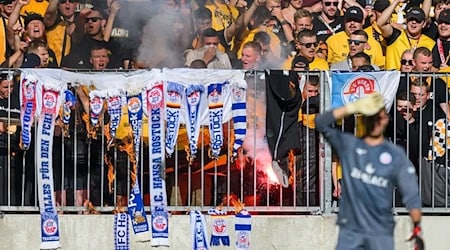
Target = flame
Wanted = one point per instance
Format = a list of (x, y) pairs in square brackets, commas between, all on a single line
[(128, 147), (234, 201), (111, 175), (90, 209), (271, 176)]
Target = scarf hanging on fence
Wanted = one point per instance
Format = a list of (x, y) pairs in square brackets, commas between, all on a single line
[(121, 232), (215, 105), (198, 231), (239, 110), (69, 104), (135, 203), (219, 227), (158, 196), (193, 100), (28, 110), (173, 105), (114, 102), (46, 127), (96, 107), (243, 227)]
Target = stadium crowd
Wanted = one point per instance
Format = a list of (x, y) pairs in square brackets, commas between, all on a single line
[(347, 35)]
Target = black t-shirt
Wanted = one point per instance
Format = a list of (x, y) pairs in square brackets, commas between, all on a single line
[(439, 88), (435, 53), (11, 104), (322, 31)]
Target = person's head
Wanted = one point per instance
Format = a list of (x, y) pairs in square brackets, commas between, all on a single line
[(264, 41), (330, 8), (273, 4), (420, 90), (302, 20), (40, 48), (210, 38), (261, 16), (353, 20), (251, 55), (296, 4), (198, 64), (422, 59), (359, 60), (202, 19), (300, 63), (7, 6), (357, 42), (379, 6), (444, 24), (6, 85), (407, 61), (376, 124), (439, 7), (415, 21), (313, 6), (307, 43), (67, 7), (99, 57), (311, 87), (31, 60), (405, 103), (95, 22), (34, 26)]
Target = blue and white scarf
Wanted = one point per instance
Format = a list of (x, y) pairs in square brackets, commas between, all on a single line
[(46, 127), (173, 105), (69, 103), (198, 231), (28, 108), (95, 108), (239, 110), (114, 102), (243, 227), (135, 203), (219, 227), (121, 232), (194, 95), (215, 105), (158, 196)]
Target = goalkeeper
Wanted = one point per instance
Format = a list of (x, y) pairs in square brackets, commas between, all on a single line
[(371, 168)]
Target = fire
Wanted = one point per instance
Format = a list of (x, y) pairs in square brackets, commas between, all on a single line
[(271, 176)]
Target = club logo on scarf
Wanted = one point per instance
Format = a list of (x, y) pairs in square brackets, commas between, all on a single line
[(28, 111), (49, 101), (96, 104), (160, 222), (242, 240), (193, 93), (238, 94), (215, 118), (114, 109), (49, 224), (174, 91), (219, 226), (134, 104)]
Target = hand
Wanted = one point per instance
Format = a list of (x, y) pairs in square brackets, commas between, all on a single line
[(114, 8), (368, 105), (209, 54), (337, 191), (417, 237)]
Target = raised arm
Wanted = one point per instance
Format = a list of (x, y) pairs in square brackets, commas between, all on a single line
[(51, 13), (113, 10), (384, 20)]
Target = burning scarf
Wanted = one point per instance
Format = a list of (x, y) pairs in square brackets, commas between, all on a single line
[(158, 195), (243, 227), (69, 104), (219, 227), (198, 231), (193, 100), (121, 232), (46, 126), (135, 204), (239, 110), (96, 107), (215, 105), (28, 110), (173, 104), (114, 102)]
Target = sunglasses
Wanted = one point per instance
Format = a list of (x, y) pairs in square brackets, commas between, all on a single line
[(356, 42), (443, 22), (93, 19), (328, 4), (70, 1), (406, 62), (309, 45)]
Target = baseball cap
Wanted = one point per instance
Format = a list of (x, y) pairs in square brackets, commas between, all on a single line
[(31, 17), (31, 60), (381, 5), (415, 13), (309, 3), (354, 13), (444, 17)]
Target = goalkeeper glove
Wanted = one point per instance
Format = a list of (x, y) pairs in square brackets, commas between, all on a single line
[(416, 236), (368, 105)]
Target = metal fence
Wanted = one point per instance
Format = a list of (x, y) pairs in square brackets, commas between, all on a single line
[(89, 178)]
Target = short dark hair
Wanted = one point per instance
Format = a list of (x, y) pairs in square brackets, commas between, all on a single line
[(262, 37), (305, 33), (421, 51), (361, 33), (363, 55), (202, 13), (31, 17), (209, 32), (403, 96)]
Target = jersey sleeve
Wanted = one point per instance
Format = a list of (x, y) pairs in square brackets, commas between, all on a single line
[(407, 182)]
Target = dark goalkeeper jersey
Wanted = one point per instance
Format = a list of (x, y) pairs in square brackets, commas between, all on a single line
[(369, 175)]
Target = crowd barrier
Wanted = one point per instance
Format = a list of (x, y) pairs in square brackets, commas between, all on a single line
[(101, 174)]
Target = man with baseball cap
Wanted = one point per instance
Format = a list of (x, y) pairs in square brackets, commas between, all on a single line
[(400, 40), (440, 51), (338, 47)]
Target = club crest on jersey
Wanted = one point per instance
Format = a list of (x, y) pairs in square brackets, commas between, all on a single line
[(385, 158), (357, 87)]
